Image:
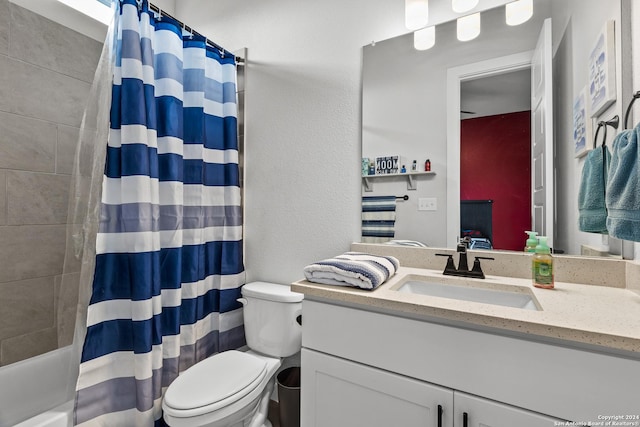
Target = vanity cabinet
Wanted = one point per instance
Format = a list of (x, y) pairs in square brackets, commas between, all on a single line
[(345, 393), (376, 368), (339, 392)]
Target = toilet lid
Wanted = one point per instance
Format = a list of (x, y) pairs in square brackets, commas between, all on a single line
[(271, 292), (216, 378)]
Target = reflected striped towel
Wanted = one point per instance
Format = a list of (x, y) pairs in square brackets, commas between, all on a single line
[(378, 219), (353, 269)]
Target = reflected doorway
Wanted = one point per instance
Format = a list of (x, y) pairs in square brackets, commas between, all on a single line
[(495, 158)]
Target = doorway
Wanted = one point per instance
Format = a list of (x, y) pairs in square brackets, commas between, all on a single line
[(456, 77), (495, 157)]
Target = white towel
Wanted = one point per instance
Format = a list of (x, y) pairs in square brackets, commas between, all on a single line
[(353, 269)]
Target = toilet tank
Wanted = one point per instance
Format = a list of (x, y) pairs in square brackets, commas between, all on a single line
[(270, 318)]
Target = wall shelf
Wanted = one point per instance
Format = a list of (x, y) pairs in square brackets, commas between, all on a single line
[(410, 176)]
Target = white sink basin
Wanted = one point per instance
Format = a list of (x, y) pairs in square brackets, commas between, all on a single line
[(467, 293)]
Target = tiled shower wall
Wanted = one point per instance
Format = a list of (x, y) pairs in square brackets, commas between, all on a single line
[(46, 72)]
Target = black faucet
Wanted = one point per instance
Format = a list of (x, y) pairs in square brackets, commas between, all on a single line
[(463, 266)]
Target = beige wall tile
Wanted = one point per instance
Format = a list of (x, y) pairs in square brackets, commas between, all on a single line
[(26, 144), (27, 306), (5, 78), (5, 16), (66, 303), (26, 346), (66, 148), (31, 251), (36, 198), (58, 48), (3, 197), (44, 94)]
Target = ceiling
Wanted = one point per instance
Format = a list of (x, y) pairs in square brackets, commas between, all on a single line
[(499, 94)]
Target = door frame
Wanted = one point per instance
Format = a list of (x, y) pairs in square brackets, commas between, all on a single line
[(455, 76)]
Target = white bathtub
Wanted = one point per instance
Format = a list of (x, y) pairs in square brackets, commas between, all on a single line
[(38, 392)]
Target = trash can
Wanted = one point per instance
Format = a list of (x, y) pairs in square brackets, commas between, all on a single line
[(289, 396)]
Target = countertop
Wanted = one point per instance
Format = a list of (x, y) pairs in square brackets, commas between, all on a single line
[(598, 316)]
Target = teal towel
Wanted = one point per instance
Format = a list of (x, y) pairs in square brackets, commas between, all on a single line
[(623, 188), (592, 211)]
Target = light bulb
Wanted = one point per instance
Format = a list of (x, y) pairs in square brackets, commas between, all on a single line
[(462, 6), (469, 27), (425, 38), (519, 12), (416, 14)]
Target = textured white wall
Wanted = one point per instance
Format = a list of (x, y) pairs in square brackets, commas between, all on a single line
[(577, 24), (302, 120)]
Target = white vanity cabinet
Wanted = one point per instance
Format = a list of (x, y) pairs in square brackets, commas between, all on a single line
[(361, 367), (349, 394), (346, 394)]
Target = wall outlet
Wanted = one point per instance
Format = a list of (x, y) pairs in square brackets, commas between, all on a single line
[(427, 204)]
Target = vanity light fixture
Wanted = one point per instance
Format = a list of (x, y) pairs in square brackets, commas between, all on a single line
[(468, 27), (425, 38), (416, 14), (462, 6), (518, 12)]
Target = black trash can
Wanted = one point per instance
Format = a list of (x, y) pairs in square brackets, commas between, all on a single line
[(289, 396)]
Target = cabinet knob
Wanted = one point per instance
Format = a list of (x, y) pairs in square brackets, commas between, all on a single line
[(440, 415), (465, 419)]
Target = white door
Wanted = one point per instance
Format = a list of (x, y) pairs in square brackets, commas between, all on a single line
[(473, 411), (542, 179), (340, 393)]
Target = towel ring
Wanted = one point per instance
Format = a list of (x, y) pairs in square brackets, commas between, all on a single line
[(595, 138), (626, 115), (614, 122)]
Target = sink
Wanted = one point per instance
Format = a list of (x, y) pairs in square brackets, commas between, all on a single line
[(468, 293)]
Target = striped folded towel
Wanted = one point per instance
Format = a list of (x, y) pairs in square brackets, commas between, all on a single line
[(353, 269)]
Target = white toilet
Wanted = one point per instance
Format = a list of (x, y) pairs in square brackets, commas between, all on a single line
[(233, 388)]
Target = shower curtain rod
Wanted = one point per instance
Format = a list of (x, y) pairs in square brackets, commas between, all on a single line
[(153, 7)]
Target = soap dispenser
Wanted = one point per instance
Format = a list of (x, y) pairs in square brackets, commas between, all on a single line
[(532, 241), (543, 265)]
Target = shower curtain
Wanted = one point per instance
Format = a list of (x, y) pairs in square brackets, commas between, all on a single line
[(169, 249)]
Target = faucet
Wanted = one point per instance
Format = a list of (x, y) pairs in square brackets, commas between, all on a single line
[(463, 267)]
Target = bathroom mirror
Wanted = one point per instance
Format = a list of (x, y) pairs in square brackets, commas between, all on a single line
[(405, 103)]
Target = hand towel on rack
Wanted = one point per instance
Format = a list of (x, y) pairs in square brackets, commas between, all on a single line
[(623, 187), (353, 269), (378, 219), (592, 212)]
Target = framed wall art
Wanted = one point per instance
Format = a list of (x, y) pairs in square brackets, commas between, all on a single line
[(582, 126), (602, 71)]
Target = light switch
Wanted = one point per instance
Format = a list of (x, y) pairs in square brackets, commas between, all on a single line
[(427, 204)]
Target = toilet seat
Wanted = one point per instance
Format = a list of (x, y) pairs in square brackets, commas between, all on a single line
[(214, 383)]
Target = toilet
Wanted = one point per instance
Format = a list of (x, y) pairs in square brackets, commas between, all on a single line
[(233, 388)]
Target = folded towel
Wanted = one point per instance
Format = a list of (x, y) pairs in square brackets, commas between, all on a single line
[(623, 188), (592, 211), (353, 269), (403, 242)]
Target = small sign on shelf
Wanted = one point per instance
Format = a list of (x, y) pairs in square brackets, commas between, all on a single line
[(387, 165)]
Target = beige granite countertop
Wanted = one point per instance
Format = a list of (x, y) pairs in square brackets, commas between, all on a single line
[(601, 316)]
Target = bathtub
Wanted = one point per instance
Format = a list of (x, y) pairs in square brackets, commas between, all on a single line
[(38, 392)]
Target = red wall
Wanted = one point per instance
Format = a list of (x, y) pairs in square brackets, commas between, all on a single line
[(495, 163)]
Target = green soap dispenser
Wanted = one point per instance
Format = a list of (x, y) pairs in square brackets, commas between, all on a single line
[(543, 265), (532, 241)]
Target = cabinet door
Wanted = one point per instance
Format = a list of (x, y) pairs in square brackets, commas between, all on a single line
[(487, 413), (339, 393)]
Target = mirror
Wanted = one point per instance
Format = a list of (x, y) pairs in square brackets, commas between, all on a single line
[(404, 113)]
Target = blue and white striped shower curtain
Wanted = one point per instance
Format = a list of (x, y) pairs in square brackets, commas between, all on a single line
[(169, 252)]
